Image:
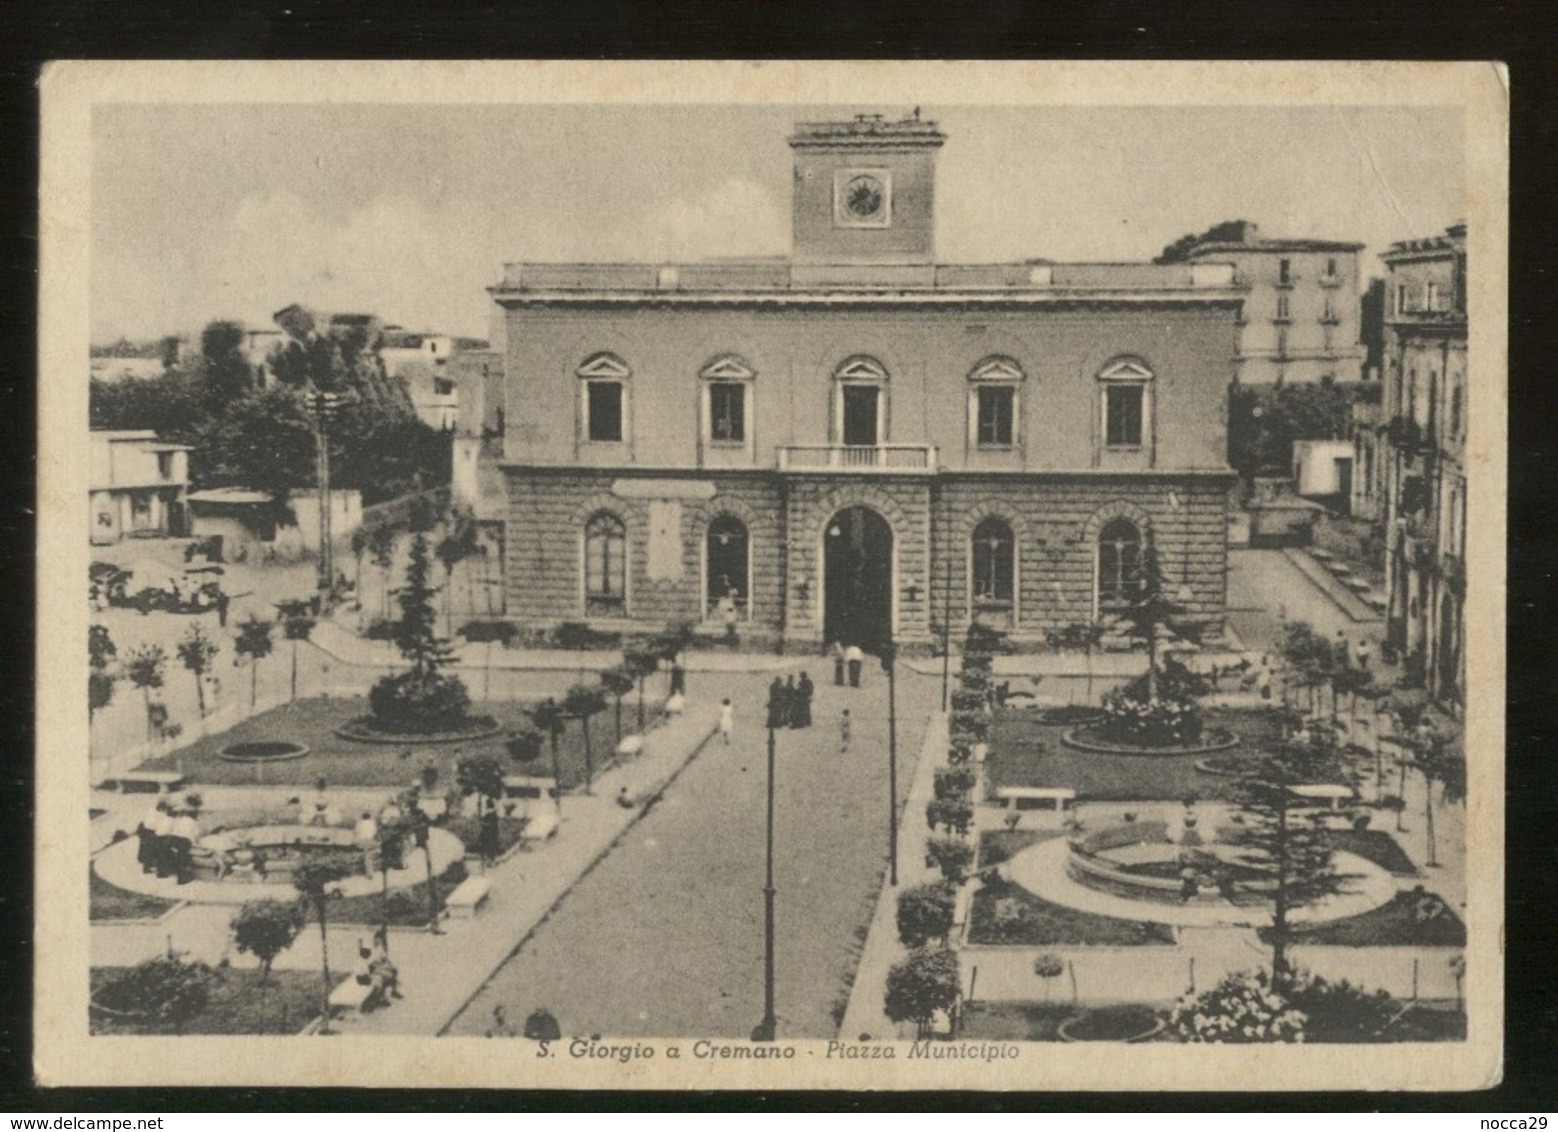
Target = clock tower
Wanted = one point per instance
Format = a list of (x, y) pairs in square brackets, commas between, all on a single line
[(865, 191)]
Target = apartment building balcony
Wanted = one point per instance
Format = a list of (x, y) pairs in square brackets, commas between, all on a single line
[(861, 458)]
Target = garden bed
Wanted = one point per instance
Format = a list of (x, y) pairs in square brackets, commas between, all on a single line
[(264, 751), (1127, 1022), (999, 845), (110, 902), (343, 762), (291, 1001), (1374, 845), (511, 831), (1211, 741), (1014, 1021), (364, 730), (408, 906), (1008, 915), (1409, 919)]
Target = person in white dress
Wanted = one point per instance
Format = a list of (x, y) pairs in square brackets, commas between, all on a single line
[(727, 720)]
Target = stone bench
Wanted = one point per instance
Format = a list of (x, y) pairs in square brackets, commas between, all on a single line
[(349, 994), (150, 781), (539, 828), (1013, 797), (631, 746), (464, 902)]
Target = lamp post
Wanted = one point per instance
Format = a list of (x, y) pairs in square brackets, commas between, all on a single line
[(889, 655), (766, 1029), (324, 406)]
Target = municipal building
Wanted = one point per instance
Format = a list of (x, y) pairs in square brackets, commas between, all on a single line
[(858, 442)]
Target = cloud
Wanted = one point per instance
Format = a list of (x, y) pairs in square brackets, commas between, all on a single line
[(735, 217)]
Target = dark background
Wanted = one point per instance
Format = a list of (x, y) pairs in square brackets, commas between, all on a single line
[(1519, 33)]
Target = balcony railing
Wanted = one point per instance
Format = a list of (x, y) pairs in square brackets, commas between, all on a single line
[(857, 457)]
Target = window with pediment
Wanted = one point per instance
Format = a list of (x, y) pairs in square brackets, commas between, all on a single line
[(1125, 392), (860, 407), (994, 411), (727, 402), (603, 398)]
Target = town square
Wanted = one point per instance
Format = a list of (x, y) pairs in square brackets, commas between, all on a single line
[(836, 610)]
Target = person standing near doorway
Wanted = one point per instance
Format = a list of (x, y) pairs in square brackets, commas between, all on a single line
[(727, 719), (854, 658)]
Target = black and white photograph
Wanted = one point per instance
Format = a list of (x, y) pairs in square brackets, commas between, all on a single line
[(786, 576)]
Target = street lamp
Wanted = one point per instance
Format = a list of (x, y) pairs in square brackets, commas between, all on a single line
[(889, 655), (324, 406), (765, 1030)]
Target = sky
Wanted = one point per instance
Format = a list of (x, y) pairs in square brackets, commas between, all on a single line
[(235, 211)]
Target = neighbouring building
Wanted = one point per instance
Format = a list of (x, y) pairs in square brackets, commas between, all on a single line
[(251, 525), (259, 346), (139, 486), (1302, 316), (422, 362), (860, 443), (477, 483), (1322, 471), (1424, 456)]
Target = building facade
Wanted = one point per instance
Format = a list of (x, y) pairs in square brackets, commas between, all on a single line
[(1301, 320), (858, 443), (1423, 440), (139, 486)]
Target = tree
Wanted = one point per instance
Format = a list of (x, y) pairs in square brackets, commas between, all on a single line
[(582, 702), (145, 667), (254, 641), (316, 880), (640, 661), (424, 698), (956, 814), (481, 775), (925, 912), (1282, 845), (453, 549), (952, 856), (1226, 231), (196, 651), (550, 719), (1308, 656), (1150, 612), (1442, 761), (1084, 635), (381, 549), (224, 371), (922, 985), (101, 653), (524, 744), (264, 929), (297, 624), (1049, 967), (618, 682)]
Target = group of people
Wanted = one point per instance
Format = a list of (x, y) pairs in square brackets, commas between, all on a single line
[(167, 838), (789, 702), (374, 969), (851, 660)]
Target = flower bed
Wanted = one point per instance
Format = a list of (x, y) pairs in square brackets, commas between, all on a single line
[(1409, 919), (110, 902), (262, 751), (365, 729), (234, 1006), (1128, 1022), (407, 906), (1007, 914), (1102, 741)]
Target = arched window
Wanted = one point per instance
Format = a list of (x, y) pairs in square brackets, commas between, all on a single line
[(726, 564), (605, 564), (1119, 566), (993, 551)]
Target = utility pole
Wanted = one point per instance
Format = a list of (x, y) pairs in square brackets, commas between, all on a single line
[(766, 1029), (889, 656)]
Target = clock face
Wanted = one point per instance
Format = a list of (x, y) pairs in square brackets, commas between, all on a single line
[(864, 196)]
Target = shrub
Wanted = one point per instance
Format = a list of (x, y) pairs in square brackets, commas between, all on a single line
[(974, 727), (955, 814), (960, 754), (419, 703), (578, 636), (1243, 1007), (480, 632), (953, 782), (1175, 682), (381, 629), (524, 743), (1340, 1011), (921, 985), (950, 855), (168, 988), (966, 701), (1168, 722), (925, 913)]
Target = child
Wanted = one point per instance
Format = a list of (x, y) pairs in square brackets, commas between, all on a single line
[(727, 719), (844, 733)]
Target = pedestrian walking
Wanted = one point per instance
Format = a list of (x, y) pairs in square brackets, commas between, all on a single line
[(838, 664), (366, 837), (727, 720), (854, 658), (221, 607), (678, 677), (803, 694), (844, 730), (792, 703), (1363, 653)]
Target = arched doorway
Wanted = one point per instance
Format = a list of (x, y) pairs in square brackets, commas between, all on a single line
[(857, 556), (726, 564)]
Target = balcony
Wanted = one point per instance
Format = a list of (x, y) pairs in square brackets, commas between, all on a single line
[(896, 458)]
